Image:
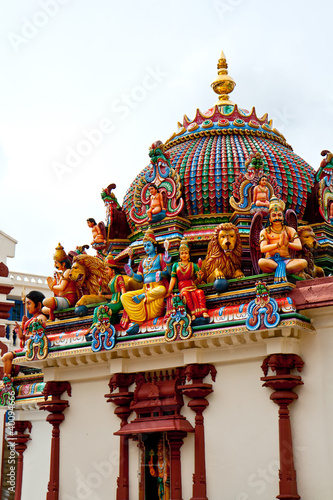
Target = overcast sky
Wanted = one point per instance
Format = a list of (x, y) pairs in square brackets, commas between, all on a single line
[(87, 85)]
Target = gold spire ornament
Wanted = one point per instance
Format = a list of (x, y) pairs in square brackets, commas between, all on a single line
[(223, 84)]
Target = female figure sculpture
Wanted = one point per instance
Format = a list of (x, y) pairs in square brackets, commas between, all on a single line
[(186, 272)]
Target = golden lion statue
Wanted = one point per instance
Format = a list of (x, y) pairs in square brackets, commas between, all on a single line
[(223, 259), (90, 275), (309, 243)]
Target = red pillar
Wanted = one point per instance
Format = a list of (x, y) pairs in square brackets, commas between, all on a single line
[(176, 439), (122, 399), (56, 406), (198, 391), (283, 384), (20, 439)]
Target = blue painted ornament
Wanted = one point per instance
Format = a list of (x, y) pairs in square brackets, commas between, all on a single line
[(81, 311), (221, 285)]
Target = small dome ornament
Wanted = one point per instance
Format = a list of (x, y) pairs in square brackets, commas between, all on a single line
[(223, 84)]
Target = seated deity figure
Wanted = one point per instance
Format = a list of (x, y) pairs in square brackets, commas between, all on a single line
[(148, 302), (261, 193), (156, 204), (62, 286), (276, 241), (98, 237)]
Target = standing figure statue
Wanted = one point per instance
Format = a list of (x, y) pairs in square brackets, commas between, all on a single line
[(186, 272), (148, 302), (64, 288), (33, 304), (161, 471), (276, 241)]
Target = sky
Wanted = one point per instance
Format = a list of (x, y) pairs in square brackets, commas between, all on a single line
[(88, 85)]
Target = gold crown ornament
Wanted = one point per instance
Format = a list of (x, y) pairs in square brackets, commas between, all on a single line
[(59, 254), (276, 205)]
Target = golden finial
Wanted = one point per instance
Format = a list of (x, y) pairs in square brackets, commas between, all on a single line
[(223, 83)]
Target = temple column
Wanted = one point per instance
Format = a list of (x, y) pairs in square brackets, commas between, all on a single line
[(20, 439), (176, 439), (56, 406), (283, 384), (123, 400), (198, 391), (5, 305)]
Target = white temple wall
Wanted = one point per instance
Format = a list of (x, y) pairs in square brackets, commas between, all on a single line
[(241, 435), (311, 414), (241, 426), (36, 457), (89, 450)]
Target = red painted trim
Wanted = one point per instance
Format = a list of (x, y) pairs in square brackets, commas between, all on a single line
[(198, 391), (20, 439), (2, 451), (56, 406), (283, 384)]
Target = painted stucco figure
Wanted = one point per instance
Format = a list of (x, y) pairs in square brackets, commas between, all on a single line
[(261, 193), (161, 471), (276, 241), (99, 236), (223, 259), (33, 304), (116, 287), (148, 302), (61, 285), (185, 273), (156, 203), (309, 244)]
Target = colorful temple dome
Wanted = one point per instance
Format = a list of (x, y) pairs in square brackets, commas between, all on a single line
[(210, 151)]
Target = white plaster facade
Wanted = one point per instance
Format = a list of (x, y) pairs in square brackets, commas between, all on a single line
[(241, 422)]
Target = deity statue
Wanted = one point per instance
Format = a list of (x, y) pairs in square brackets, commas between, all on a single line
[(276, 241), (99, 236), (156, 203), (157, 193), (64, 288), (116, 289), (324, 178), (261, 193), (186, 272), (252, 189), (148, 302), (161, 471), (33, 304)]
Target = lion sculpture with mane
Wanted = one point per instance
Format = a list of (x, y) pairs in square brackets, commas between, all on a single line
[(90, 275), (309, 244), (223, 259)]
